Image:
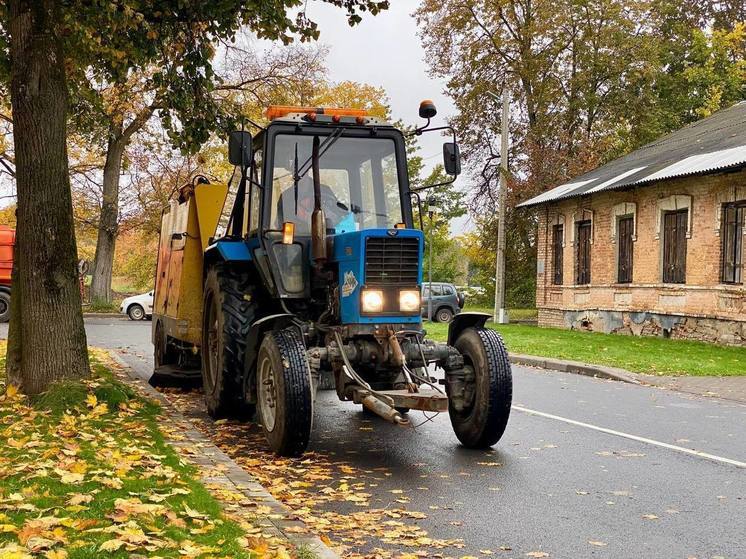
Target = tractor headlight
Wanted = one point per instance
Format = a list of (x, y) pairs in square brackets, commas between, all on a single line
[(409, 300), (372, 300)]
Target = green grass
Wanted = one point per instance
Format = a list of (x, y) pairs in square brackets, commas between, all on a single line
[(98, 305), (102, 431), (657, 356)]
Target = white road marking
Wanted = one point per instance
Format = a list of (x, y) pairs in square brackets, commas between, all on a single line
[(637, 438)]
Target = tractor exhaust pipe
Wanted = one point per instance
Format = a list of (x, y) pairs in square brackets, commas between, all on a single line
[(383, 410), (318, 220)]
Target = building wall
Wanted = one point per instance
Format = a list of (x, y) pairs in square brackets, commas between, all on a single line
[(702, 308)]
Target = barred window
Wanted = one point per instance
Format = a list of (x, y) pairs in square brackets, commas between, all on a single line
[(732, 242), (674, 246), (583, 253), (625, 233), (557, 262)]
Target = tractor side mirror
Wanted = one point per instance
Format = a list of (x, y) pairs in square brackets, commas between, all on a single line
[(239, 148), (452, 158)]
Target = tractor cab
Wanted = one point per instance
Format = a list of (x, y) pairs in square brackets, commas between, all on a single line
[(325, 194), (307, 268)]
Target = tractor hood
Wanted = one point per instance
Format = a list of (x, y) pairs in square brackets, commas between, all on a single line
[(387, 260)]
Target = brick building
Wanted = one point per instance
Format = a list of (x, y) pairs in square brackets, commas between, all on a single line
[(652, 243)]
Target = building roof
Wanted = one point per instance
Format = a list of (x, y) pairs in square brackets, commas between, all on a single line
[(715, 143)]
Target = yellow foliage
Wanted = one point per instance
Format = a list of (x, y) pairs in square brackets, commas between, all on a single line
[(8, 215)]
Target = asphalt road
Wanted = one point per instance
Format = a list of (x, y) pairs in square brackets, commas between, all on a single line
[(587, 467)]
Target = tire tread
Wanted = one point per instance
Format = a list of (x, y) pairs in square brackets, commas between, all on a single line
[(501, 386), (482, 430), (298, 402), (238, 315)]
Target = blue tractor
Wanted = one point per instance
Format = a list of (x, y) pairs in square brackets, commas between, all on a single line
[(314, 271)]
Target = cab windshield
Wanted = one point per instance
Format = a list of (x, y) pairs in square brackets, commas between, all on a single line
[(359, 184)]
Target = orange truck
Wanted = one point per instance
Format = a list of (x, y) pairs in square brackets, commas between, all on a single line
[(7, 240)]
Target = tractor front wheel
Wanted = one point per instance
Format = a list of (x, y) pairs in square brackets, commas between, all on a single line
[(284, 392), (482, 414), (226, 318)]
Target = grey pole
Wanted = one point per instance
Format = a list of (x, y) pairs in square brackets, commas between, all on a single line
[(500, 315), (430, 264)]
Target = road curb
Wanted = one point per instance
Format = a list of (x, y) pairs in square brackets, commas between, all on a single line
[(575, 367), (281, 520), (104, 315)]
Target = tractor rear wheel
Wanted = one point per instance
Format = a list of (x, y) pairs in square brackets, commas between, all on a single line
[(227, 315), (482, 419), (284, 392)]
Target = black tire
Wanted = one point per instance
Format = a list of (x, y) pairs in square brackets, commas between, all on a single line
[(227, 315), (444, 314), (4, 306), (136, 312), (482, 423), (285, 405)]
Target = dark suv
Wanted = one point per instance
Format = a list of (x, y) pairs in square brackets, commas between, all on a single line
[(447, 301)]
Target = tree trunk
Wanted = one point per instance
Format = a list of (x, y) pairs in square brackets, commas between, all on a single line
[(47, 339), (109, 221)]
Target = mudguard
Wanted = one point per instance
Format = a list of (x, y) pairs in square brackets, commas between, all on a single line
[(463, 321)]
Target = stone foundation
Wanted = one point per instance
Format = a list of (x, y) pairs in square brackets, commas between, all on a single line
[(727, 332)]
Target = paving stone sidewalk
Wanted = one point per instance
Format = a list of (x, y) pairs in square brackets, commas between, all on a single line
[(221, 475), (728, 388)]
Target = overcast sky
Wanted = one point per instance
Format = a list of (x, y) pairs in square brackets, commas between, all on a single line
[(384, 51)]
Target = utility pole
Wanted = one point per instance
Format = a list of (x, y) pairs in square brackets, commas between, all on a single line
[(430, 258), (500, 315)]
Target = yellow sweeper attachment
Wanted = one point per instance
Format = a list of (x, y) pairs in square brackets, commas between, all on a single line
[(186, 227)]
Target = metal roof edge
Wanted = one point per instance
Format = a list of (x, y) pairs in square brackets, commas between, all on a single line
[(642, 182)]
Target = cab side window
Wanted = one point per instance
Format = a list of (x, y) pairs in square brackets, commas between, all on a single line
[(255, 193)]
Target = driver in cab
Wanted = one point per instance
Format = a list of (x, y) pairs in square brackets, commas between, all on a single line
[(337, 213)]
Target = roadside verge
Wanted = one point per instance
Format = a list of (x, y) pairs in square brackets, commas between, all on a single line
[(221, 474), (85, 471)]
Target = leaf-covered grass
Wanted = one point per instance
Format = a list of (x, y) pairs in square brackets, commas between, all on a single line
[(85, 472), (656, 356)]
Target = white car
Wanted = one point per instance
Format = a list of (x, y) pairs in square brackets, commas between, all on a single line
[(138, 307)]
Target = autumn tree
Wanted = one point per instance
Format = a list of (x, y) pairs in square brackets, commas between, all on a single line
[(588, 80), (47, 45), (121, 109), (110, 114)]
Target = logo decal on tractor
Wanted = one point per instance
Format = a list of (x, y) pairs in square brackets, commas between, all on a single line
[(349, 285)]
